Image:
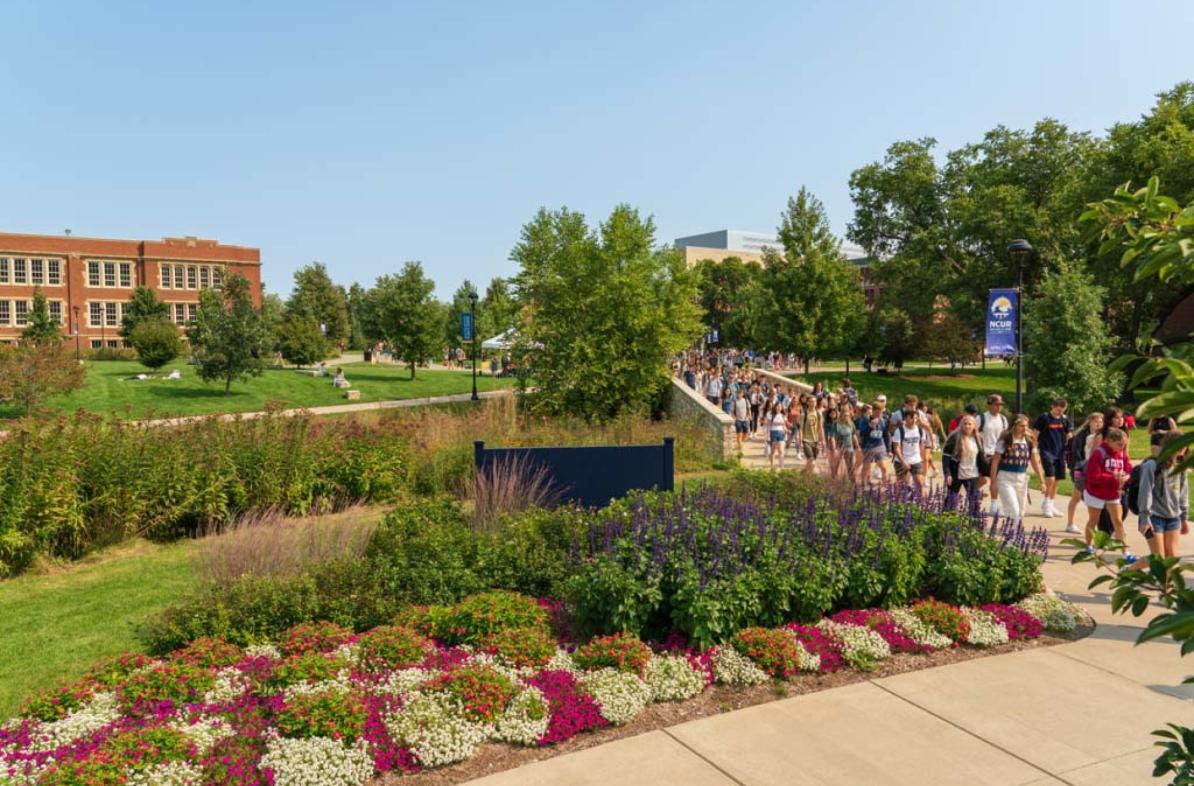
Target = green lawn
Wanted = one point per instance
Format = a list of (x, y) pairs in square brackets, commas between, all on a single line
[(109, 388), (54, 626), (950, 390)]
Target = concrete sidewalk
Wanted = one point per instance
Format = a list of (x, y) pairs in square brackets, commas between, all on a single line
[(1079, 714)]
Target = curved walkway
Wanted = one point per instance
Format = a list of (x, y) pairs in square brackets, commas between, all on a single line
[(1079, 714)]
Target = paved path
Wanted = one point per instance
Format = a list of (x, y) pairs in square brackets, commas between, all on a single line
[(1079, 714)]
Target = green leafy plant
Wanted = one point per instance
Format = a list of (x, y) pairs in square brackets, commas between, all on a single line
[(529, 647), (329, 713), (392, 647), (621, 651), (945, 619), (481, 691)]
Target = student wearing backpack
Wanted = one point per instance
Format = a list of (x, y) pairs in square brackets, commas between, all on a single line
[(1080, 449), (1162, 498), (907, 443), (875, 443), (812, 431), (1106, 472), (1051, 429), (1015, 452), (991, 425)]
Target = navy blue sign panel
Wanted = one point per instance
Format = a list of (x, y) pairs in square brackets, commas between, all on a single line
[(590, 476), (466, 326), (1001, 322)]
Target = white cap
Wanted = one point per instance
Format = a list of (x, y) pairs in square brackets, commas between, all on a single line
[(881, 397)]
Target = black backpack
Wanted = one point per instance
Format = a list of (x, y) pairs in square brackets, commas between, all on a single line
[(1132, 488)]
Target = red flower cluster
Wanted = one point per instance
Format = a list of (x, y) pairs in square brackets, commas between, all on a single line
[(621, 651)]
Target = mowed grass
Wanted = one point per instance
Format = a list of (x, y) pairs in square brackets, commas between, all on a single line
[(110, 388), (948, 389), (55, 625)]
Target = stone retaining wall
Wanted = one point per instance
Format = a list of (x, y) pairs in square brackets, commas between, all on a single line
[(803, 387), (684, 403)]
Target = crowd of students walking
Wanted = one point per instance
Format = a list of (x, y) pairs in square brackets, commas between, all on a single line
[(982, 453)]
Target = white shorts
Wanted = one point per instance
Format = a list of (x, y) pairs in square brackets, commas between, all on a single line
[(1095, 502)]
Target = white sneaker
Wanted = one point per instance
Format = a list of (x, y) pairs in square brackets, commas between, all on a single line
[(1071, 529), (1047, 508)]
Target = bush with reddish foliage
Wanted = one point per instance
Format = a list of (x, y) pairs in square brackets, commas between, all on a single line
[(532, 647), (942, 617), (882, 623), (57, 703), (112, 672), (1019, 623), (773, 650), (305, 667), (816, 642), (481, 690), (315, 637), (621, 651), (208, 652), (392, 647), (177, 683), (571, 711), (477, 616), (328, 713)]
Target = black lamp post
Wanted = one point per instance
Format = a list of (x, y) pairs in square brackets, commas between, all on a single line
[(472, 297), (76, 310), (1020, 251)]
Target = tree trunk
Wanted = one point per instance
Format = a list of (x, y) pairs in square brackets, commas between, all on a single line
[(227, 385), (412, 369)]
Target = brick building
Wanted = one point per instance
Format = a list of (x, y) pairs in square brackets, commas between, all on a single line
[(87, 281)]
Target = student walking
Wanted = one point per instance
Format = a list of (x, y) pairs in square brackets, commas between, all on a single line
[(811, 431), (907, 443), (1164, 500), (1052, 428), (875, 444), (1107, 470), (991, 425), (1015, 452), (960, 455), (1080, 449), (777, 426), (741, 417), (843, 440)]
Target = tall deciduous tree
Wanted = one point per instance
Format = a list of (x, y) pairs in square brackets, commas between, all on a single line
[(355, 297), (605, 311), (499, 309), (815, 303), (726, 292), (41, 329), (400, 310), (460, 304), (300, 340), (142, 305), (316, 298), (1070, 347), (228, 337)]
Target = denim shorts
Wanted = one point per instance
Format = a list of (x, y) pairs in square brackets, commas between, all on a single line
[(1161, 524)]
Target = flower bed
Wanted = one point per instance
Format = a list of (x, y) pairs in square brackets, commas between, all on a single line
[(330, 708)]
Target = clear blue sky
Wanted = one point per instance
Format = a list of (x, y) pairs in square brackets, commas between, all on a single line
[(366, 134)]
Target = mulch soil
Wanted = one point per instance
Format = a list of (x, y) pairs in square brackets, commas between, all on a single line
[(492, 757)]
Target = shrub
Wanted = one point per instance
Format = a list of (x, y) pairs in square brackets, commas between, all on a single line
[(945, 619), (392, 647), (314, 637), (56, 703), (482, 691), (477, 616), (775, 651), (178, 683), (621, 652), (524, 647), (207, 652), (328, 713), (306, 667), (157, 342)]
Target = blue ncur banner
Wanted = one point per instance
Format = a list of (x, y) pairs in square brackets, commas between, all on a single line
[(466, 326), (1001, 322)]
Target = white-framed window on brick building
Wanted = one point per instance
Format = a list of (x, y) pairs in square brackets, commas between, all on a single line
[(93, 274), (5, 312), (126, 275), (192, 277), (192, 312), (204, 277), (179, 283), (5, 270), (217, 276), (95, 314), (180, 313), (111, 314), (164, 275), (109, 274), (55, 307), (37, 271), (20, 271), (54, 272), (21, 312)]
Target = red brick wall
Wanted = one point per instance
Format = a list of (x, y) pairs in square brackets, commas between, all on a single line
[(146, 258)]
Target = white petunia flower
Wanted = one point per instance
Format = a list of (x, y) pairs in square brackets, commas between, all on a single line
[(621, 695), (919, 631), (229, 685), (263, 651), (435, 730), (985, 629), (525, 720), (317, 761), (672, 678), (562, 661), (861, 647), (730, 667), (91, 717), (174, 773), (203, 731), (1056, 615)]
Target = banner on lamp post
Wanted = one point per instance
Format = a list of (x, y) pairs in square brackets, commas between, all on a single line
[(1001, 322), (466, 326)]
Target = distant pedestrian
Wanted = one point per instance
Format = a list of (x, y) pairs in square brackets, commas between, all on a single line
[(741, 418), (777, 425)]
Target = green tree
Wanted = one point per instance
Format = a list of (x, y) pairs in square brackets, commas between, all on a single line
[(142, 305), (605, 312), (1070, 347), (897, 337), (727, 292), (499, 309), (41, 329), (355, 298), (30, 371), (273, 311), (157, 342), (460, 304), (816, 303), (228, 337), (400, 310), (301, 341), (316, 298)]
